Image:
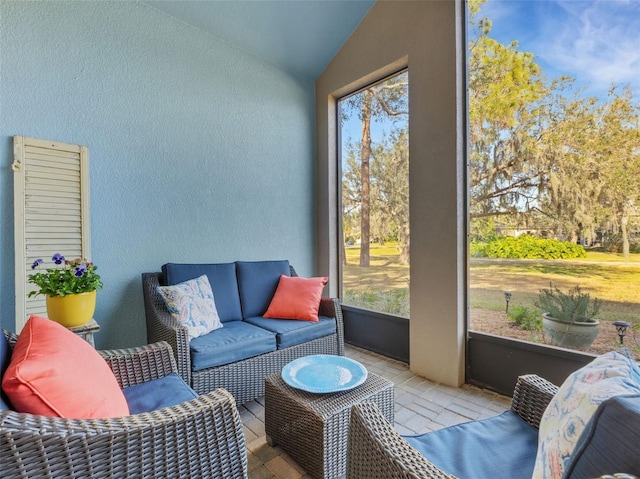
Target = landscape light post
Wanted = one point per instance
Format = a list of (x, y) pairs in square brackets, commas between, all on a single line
[(507, 298), (621, 327)]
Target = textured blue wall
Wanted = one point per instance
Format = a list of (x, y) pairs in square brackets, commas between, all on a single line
[(199, 152)]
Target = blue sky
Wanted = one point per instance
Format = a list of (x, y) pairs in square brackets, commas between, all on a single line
[(597, 42)]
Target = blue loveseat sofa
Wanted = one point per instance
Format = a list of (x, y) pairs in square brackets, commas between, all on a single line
[(248, 347)]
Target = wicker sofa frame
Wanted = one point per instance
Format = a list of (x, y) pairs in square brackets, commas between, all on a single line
[(244, 379), (201, 438), (377, 451)]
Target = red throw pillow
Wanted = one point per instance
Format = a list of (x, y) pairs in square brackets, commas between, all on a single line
[(53, 372), (296, 298)]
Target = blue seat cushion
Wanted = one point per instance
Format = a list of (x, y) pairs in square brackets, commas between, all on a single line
[(5, 358), (257, 283), (222, 278), (237, 340), (153, 395), (610, 441), (290, 332), (502, 446)]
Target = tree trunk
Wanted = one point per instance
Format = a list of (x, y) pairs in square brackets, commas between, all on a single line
[(624, 232), (365, 155), (405, 250)]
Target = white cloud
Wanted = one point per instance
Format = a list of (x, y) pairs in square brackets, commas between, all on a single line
[(598, 42)]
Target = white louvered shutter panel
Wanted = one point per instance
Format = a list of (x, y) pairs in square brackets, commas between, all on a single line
[(51, 202)]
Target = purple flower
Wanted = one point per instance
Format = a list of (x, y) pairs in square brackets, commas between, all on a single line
[(79, 270), (57, 258), (37, 263)]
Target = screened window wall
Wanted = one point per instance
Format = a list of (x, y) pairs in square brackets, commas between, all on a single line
[(554, 194), (374, 179)]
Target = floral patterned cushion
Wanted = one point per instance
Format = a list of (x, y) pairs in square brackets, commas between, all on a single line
[(611, 374), (192, 304)]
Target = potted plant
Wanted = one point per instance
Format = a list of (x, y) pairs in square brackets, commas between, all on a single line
[(568, 318), (69, 287)]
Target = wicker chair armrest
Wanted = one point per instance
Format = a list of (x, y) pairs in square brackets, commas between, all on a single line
[(11, 337), (531, 397), (331, 308), (161, 326), (377, 451), (140, 364), (196, 439)]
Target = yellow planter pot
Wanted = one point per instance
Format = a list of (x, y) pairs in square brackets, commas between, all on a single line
[(71, 310)]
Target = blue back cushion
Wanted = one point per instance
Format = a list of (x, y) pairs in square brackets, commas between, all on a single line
[(257, 283), (222, 278), (5, 358), (502, 446), (610, 442)]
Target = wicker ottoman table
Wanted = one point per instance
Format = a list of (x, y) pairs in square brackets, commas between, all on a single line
[(314, 428)]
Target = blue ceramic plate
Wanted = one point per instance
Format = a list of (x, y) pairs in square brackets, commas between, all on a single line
[(324, 373)]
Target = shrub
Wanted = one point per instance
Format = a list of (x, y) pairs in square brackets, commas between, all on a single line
[(526, 318), (395, 301), (572, 306), (613, 244), (527, 247)]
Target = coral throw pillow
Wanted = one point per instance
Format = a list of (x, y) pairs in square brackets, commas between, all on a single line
[(296, 298), (53, 372)]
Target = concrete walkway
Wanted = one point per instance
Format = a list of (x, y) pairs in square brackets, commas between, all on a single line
[(421, 406)]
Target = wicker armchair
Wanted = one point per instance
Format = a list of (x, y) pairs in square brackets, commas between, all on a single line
[(244, 379), (376, 450), (202, 438)]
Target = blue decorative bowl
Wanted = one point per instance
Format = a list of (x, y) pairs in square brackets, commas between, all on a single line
[(324, 373)]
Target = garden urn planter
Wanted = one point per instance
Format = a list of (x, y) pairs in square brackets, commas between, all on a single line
[(71, 310), (576, 334)]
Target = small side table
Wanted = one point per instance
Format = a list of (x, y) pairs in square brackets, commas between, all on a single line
[(314, 428), (86, 331)]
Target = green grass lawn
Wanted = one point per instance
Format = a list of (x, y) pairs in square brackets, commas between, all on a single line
[(604, 275)]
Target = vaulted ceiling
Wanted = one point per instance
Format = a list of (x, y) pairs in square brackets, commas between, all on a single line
[(301, 36)]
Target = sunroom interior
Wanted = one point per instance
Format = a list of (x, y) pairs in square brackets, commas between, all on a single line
[(211, 129), (212, 132)]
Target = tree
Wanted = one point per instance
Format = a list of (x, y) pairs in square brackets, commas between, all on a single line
[(351, 195), (387, 99), (390, 168), (618, 154), (572, 185), (365, 180), (506, 88), (540, 153)]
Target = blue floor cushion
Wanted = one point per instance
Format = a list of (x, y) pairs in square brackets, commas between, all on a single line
[(502, 446), (237, 340), (153, 395), (290, 332)]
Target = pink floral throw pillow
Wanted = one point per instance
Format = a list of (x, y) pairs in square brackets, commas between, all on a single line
[(191, 303), (608, 375)]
